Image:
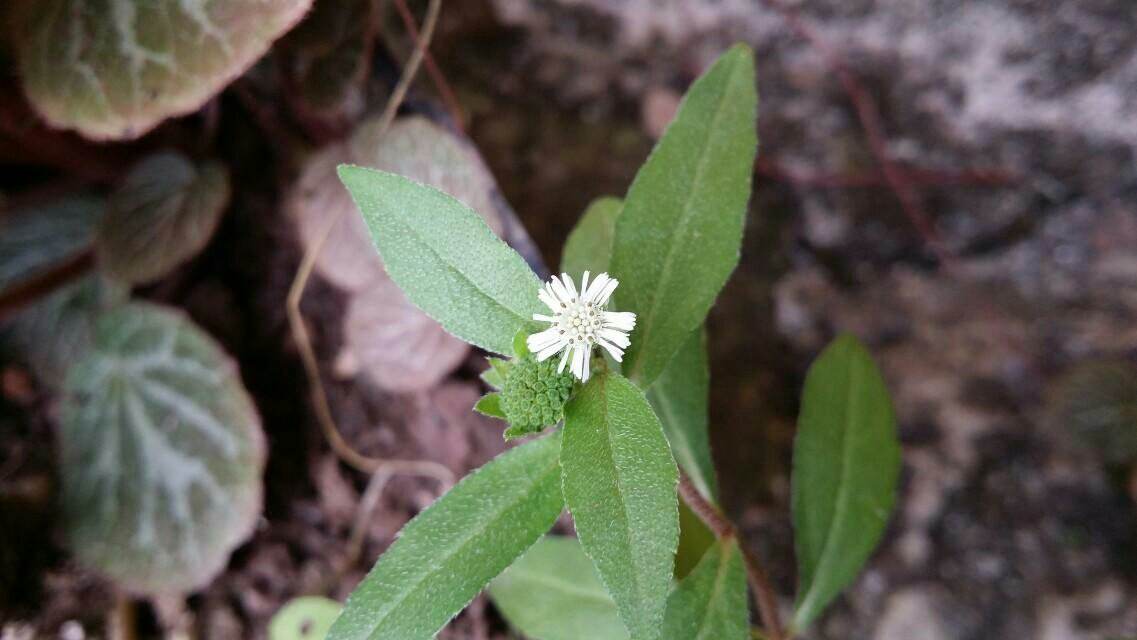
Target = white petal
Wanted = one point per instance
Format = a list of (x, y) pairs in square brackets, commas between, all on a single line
[(616, 352), (578, 362), (597, 285), (584, 287), (618, 338), (605, 293), (550, 302), (541, 340), (549, 351), (543, 318), (587, 359), (560, 289), (569, 284), (622, 320), (564, 359)]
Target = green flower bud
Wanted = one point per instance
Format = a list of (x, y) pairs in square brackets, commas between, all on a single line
[(534, 395)]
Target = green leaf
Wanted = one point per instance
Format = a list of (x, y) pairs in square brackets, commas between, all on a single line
[(446, 259), (553, 593), (33, 241), (495, 375), (114, 69), (679, 397), (710, 603), (449, 552), (161, 452), (694, 540), (162, 215), (678, 236), (304, 618), (619, 483), (490, 405), (589, 244), (845, 466)]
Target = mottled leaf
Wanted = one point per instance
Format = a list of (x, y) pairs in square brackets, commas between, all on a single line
[(34, 240), (449, 552), (679, 397), (1096, 403), (845, 465), (113, 69), (589, 244), (55, 332), (304, 618), (710, 603), (162, 215), (678, 235), (161, 452), (446, 259), (619, 483), (553, 593)]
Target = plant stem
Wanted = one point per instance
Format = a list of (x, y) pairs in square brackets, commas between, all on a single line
[(723, 528)]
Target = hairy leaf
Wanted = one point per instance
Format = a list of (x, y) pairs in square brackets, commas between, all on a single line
[(710, 603), (490, 405), (619, 483), (304, 618), (163, 214), (678, 236), (449, 552), (694, 540), (161, 451), (845, 466), (553, 593), (114, 69), (446, 259), (679, 397), (589, 244), (35, 240)]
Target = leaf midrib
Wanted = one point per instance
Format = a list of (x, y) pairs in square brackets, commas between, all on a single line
[(461, 545), (840, 501), (684, 220)]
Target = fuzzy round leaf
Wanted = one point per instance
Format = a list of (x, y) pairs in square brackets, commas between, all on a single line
[(55, 332), (1096, 403), (35, 240), (161, 453), (163, 214), (114, 69)]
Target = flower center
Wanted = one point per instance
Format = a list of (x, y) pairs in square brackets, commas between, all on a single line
[(579, 321)]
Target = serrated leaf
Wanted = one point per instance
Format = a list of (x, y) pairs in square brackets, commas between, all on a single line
[(494, 376), (678, 235), (35, 240), (114, 69), (679, 397), (845, 466), (619, 484), (162, 215), (445, 258), (710, 603), (54, 333), (553, 593), (449, 552), (589, 244), (490, 405), (161, 452), (304, 618)]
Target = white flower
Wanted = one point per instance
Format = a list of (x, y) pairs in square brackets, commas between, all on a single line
[(580, 321)]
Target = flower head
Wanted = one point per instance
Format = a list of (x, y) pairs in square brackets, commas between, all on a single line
[(579, 321)]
